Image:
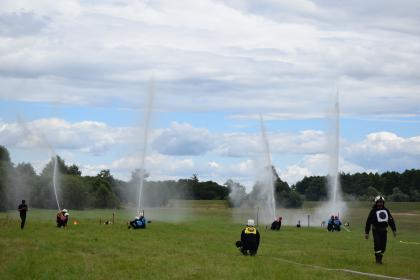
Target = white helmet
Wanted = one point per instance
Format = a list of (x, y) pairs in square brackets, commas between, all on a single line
[(379, 198), (64, 210), (250, 223)]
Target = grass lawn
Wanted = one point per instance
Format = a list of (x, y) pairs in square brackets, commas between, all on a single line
[(199, 247)]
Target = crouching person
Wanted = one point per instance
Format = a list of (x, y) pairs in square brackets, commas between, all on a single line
[(330, 226), (138, 222), (62, 218), (337, 224), (250, 239)]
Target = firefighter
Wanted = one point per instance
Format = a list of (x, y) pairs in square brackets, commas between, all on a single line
[(276, 225), (138, 222), (379, 218), (337, 224), (250, 239), (62, 218), (22, 208)]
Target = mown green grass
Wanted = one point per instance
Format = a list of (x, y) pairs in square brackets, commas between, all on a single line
[(200, 247)]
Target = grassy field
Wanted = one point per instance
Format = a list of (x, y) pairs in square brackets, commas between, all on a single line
[(199, 247)]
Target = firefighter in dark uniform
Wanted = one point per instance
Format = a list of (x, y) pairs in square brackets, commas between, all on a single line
[(22, 208), (379, 217), (250, 239)]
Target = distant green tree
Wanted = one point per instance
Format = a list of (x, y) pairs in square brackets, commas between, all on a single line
[(398, 195), (48, 170), (415, 196), (313, 188), (391, 180), (4, 169), (74, 170), (294, 200), (102, 190), (74, 191), (281, 192), (24, 181), (371, 193)]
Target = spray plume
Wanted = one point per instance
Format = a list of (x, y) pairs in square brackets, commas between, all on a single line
[(335, 204), (266, 195), (147, 119)]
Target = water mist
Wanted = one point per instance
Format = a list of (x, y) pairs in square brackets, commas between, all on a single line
[(55, 175), (335, 204), (265, 181), (147, 119)]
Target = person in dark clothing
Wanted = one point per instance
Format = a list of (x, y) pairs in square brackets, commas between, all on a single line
[(22, 208), (62, 218), (330, 226), (138, 222), (250, 239), (276, 225), (336, 224), (379, 218)]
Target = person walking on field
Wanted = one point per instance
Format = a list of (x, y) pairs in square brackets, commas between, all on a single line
[(379, 218), (22, 208)]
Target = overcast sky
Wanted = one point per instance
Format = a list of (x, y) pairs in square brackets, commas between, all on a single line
[(74, 78)]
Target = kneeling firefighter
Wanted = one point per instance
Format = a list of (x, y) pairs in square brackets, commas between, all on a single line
[(250, 239)]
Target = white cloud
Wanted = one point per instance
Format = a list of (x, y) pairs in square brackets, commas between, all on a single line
[(57, 134), (234, 55), (183, 139), (159, 166), (182, 149), (245, 144), (386, 150), (317, 165), (214, 164)]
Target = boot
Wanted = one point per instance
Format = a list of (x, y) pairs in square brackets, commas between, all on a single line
[(378, 258)]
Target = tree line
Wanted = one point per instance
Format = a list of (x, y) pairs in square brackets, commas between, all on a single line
[(393, 185), (100, 191), (104, 191)]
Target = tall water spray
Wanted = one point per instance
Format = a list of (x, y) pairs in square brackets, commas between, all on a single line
[(335, 204), (147, 119), (334, 183), (55, 175), (265, 197)]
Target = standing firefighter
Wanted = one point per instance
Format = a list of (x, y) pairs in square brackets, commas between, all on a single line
[(379, 217), (250, 239), (22, 208)]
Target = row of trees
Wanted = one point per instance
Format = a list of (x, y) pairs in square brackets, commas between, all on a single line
[(101, 191), (284, 195), (364, 186), (105, 191)]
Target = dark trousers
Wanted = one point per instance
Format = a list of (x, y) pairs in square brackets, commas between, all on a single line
[(23, 220), (379, 243)]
